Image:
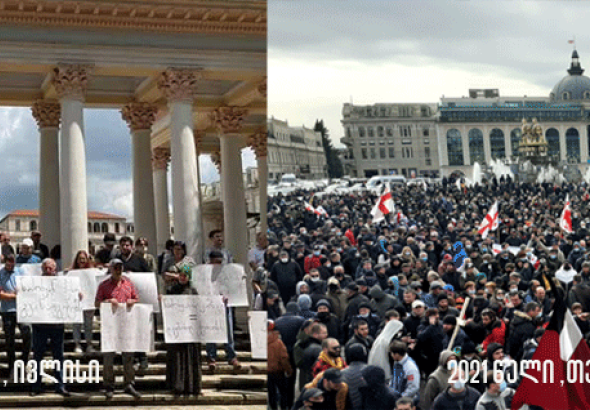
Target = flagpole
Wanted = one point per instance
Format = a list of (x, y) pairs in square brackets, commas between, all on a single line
[(462, 319)]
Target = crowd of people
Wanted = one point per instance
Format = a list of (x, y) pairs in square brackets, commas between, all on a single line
[(172, 268), (367, 315)]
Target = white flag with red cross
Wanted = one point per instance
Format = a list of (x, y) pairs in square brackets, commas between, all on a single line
[(490, 222), (383, 206), (565, 221)]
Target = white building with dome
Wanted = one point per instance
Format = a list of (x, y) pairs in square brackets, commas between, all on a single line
[(478, 128)]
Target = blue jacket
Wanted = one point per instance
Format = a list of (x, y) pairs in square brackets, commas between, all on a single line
[(405, 378)]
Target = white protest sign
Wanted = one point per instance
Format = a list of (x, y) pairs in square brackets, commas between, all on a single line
[(48, 299), (126, 329), (88, 285), (228, 280), (257, 325), (145, 285), (194, 319), (30, 269)]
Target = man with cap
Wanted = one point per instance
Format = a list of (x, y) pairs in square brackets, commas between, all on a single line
[(108, 252), (363, 286), (337, 297), (8, 275), (119, 291), (443, 306), (331, 321), (39, 249), (286, 274), (431, 298), (310, 399), (365, 313), (413, 321), (449, 324), (273, 305), (356, 355), (26, 253), (335, 390)]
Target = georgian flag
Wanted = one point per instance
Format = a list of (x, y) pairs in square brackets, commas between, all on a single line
[(490, 222), (321, 211), (565, 221), (383, 206), (308, 207), (563, 345)]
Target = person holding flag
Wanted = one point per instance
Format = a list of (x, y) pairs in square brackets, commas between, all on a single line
[(490, 222), (384, 206), (565, 221)]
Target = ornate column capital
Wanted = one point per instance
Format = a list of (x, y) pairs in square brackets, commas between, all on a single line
[(139, 115), (259, 143), (46, 113), (216, 158), (262, 88), (229, 120), (160, 158), (71, 80), (179, 84)]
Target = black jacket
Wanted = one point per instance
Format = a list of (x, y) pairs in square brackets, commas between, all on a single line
[(522, 328), (446, 401)]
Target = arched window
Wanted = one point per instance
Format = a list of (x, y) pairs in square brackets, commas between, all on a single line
[(476, 152), (515, 135), (17, 225), (361, 132), (587, 95), (105, 227), (572, 143), (454, 147), (96, 227), (116, 227), (497, 144), (33, 225), (552, 137), (565, 96)]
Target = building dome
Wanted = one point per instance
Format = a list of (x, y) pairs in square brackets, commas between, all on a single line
[(573, 86)]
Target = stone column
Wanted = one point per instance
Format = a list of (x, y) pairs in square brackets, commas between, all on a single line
[(562, 143), (47, 114), (70, 83), (216, 159), (228, 121), (160, 160), (179, 87), (140, 118), (259, 145)]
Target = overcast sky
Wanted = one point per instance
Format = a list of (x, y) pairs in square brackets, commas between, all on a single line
[(325, 53), (108, 162)]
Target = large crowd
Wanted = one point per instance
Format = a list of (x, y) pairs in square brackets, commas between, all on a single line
[(367, 315)]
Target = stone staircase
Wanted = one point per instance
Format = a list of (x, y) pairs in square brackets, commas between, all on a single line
[(225, 386)]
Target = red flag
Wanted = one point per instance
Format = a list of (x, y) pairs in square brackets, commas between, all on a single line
[(565, 221), (561, 346), (308, 207), (570, 41)]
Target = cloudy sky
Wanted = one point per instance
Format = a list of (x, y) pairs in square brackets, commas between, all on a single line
[(325, 53), (108, 162)]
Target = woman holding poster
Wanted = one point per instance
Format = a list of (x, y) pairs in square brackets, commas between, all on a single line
[(183, 360), (82, 261)]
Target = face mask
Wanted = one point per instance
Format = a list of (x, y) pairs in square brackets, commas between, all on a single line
[(334, 354), (284, 260), (452, 364), (484, 250), (407, 253), (502, 387), (424, 259), (323, 315), (540, 315), (317, 253), (471, 291), (469, 357), (458, 385), (303, 232), (315, 279), (469, 247), (364, 315), (333, 288), (419, 293), (553, 256), (338, 249)]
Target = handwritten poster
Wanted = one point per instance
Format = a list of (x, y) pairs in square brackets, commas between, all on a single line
[(88, 285), (257, 325), (48, 299), (228, 280), (194, 319), (145, 285), (126, 329)]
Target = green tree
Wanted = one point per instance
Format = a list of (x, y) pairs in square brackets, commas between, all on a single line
[(335, 169)]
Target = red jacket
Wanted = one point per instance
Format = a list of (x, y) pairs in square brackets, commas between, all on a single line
[(310, 262), (497, 336)]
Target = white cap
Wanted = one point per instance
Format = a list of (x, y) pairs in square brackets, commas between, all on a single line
[(418, 303), (28, 242)]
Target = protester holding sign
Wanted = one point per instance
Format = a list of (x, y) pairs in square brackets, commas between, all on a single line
[(8, 276), (117, 289), (82, 261), (44, 332), (183, 360)]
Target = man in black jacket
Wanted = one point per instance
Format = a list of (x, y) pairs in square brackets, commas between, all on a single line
[(361, 336), (522, 328), (132, 262), (286, 273)]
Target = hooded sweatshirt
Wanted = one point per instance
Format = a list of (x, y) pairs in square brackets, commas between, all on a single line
[(438, 380), (381, 302)]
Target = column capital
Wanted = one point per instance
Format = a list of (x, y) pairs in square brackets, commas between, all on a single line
[(160, 158), (139, 115), (71, 80), (179, 84), (46, 113), (259, 143), (199, 135), (216, 158), (228, 120)]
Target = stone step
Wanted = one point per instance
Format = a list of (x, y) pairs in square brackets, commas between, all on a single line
[(155, 398), (151, 383)]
